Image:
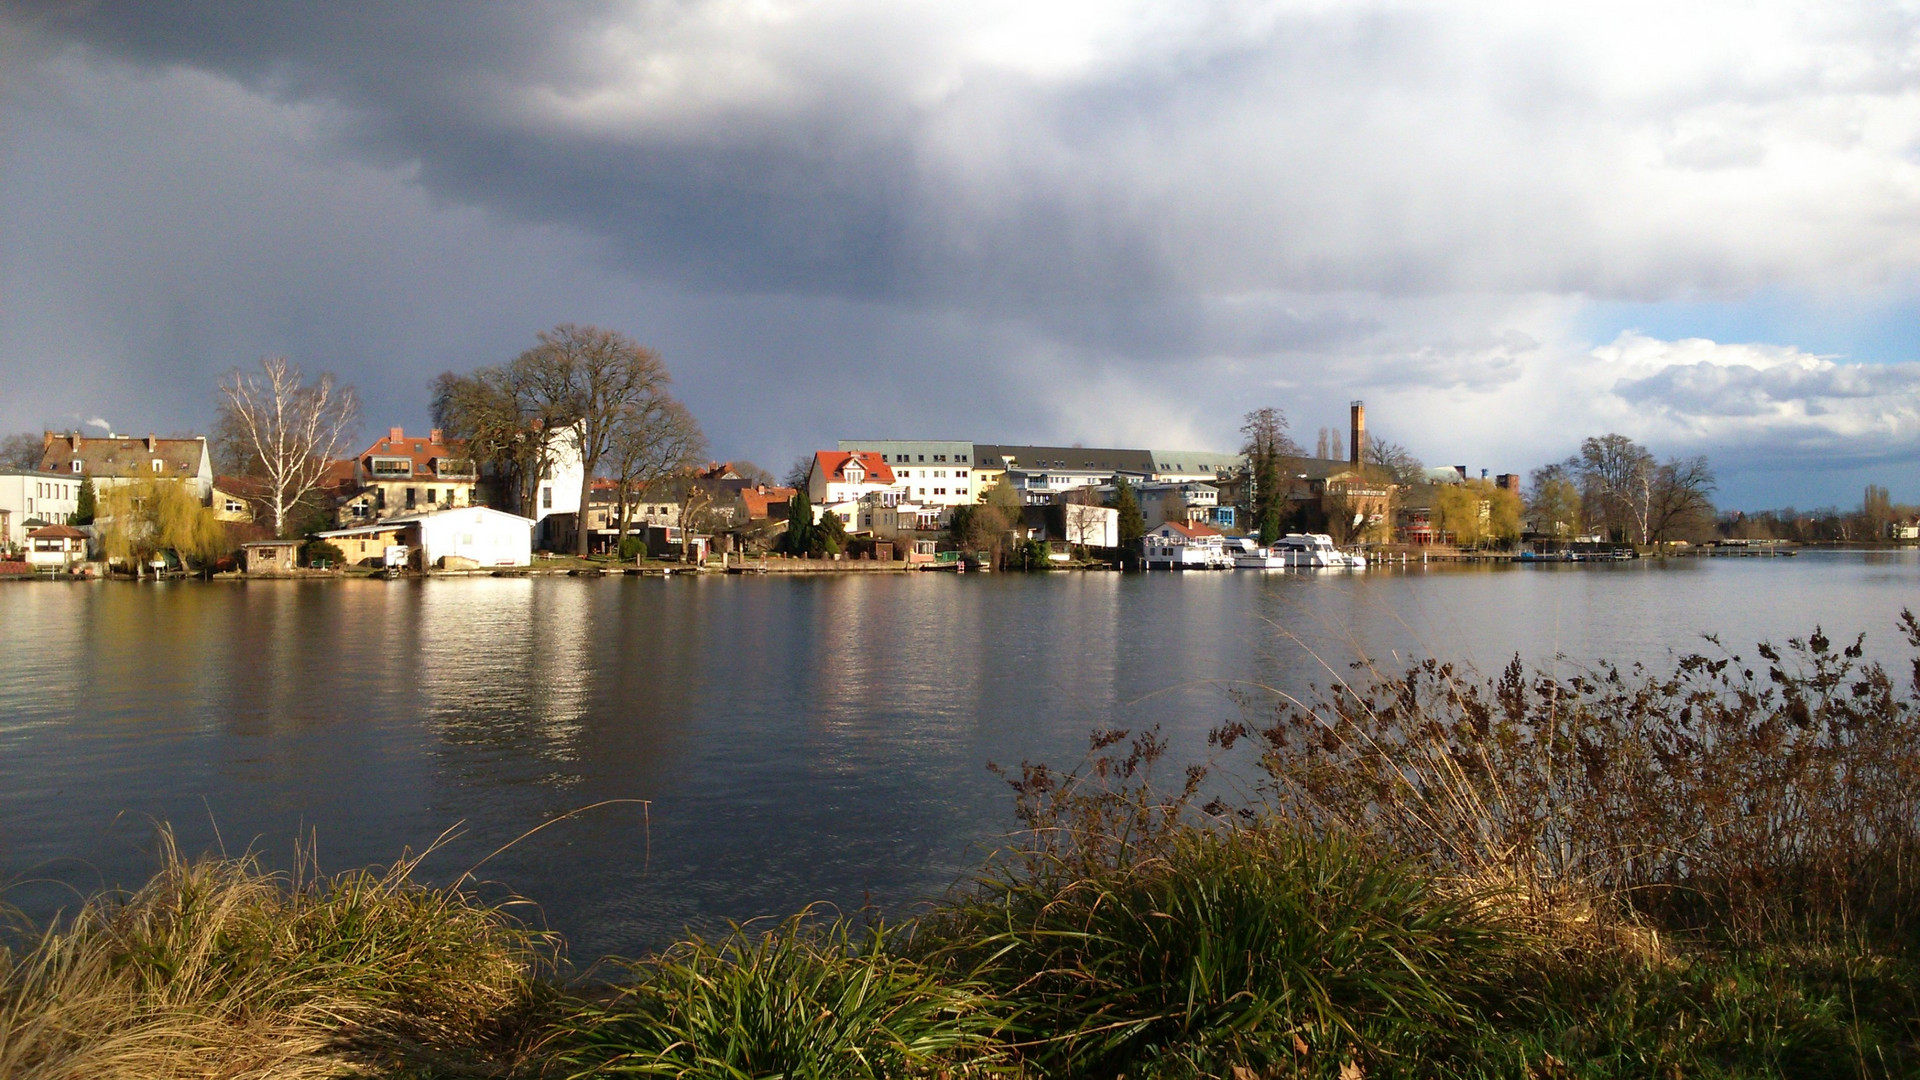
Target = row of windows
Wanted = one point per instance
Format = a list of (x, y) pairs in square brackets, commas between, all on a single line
[(55, 491), (901, 459), (938, 474)]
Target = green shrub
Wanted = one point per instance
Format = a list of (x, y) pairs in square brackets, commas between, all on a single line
[(806, 1001), (632, 547), (1248, 947), (314, 551)]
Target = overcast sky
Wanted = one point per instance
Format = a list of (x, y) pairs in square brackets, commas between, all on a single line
[(1504, 227)]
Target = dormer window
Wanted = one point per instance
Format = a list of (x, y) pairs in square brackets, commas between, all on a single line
[(158, 465), (78, 466)]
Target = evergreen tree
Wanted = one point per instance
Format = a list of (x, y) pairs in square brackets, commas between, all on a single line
[(799, 537), (83, 508), (1132, 525)]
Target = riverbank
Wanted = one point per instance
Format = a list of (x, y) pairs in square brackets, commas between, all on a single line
[(1704, 870)]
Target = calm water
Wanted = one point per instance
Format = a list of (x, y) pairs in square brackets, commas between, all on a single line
[(798, 740)]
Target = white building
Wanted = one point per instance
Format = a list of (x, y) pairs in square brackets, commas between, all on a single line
[(483, 535), (1174, 546), (559, 490), (849, 476), (931, 472), (41, 497)]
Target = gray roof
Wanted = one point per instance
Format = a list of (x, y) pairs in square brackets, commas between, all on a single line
[(1084, 458)]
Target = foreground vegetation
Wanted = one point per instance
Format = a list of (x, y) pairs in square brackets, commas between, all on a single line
[(1709, 871)]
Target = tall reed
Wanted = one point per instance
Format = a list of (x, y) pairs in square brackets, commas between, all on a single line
[(217, 968)]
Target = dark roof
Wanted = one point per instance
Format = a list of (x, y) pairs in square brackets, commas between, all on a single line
[(1100, 459), (57, 532)]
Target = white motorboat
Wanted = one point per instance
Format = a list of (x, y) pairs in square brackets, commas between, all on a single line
[(1301, 550)]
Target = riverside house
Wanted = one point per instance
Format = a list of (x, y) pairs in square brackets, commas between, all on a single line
[(402, 474), (56, 546), (471, 537), (117, 460), (43, 498)]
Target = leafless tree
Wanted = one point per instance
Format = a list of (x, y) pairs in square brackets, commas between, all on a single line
[(511, 419), (798, 472), (286, 430), (603, 377), (22, 451), (1396, 460), (1681, 499), (653, 441), (1617, 477)]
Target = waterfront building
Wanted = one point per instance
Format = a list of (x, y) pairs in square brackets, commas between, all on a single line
[(1205, 466), (930, 471), (1043, 472), (475, 536), (116, 460), (402, 474), (59, 546), (841, 478), (37, 496)]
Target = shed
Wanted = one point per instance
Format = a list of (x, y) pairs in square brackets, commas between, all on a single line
[(268, 556)]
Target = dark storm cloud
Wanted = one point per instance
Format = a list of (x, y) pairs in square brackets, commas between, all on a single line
[(914, 216)]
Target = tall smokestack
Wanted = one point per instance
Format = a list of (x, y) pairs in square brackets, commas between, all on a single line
[(1357, 440)]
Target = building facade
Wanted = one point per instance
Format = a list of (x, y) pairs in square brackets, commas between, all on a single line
[(929, 471), (405, 474), (116, 460), (40, 497)]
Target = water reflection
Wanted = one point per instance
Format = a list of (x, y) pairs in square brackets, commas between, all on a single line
[(795, 740)]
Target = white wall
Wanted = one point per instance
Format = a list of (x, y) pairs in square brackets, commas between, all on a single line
[(488, 537)]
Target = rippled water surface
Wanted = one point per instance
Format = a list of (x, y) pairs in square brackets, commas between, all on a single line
[(797, 740)]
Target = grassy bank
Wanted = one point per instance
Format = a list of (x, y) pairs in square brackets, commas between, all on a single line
[(1708, 871)]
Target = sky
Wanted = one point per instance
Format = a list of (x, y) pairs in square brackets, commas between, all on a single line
[(1504, 226)]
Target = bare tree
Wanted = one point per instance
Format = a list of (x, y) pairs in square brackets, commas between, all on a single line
[(798, 472), (22, 451), (511, 419), (286, 430), (1617, 479), (1271, 453), (1680, 500), (653, 441), (1396, 460), (599, 377)]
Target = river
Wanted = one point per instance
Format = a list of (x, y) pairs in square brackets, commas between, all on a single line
[(796, 740)]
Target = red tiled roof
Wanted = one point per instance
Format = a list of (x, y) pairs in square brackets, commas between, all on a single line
[(56, 532), (423, 450), (760, 500), (1194, 531), (833, 465)]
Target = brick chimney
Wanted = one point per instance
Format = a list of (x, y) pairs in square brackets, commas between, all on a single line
[(149, 442), (396, 434), (1357, 436), (437, 437)]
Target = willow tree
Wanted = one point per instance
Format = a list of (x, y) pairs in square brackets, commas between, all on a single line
[(138, 520), (284, 431)]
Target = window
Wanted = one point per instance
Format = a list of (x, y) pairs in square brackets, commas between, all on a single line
[(960, 457), (546, 498), (923, 457), (76, 464), (235, 506), (158, 465), (392, 466), (899, 457), (430, 494), (410, 497), (939, 457)]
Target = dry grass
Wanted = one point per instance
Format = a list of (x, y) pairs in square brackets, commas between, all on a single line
[(216, 968)]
